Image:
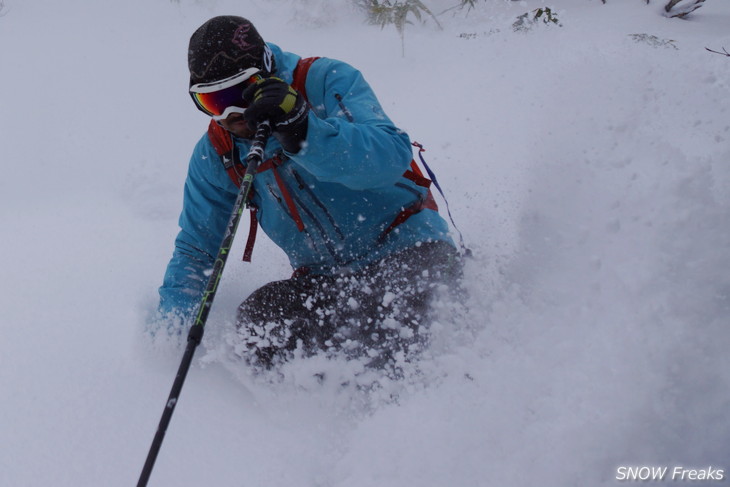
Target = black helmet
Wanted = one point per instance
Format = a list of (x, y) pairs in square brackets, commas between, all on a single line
[(223, 47)]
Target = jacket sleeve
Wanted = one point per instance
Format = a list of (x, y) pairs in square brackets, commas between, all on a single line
[(207, 205), (350, 140)]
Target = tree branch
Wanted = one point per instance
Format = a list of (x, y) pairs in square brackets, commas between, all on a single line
[(724, 53)]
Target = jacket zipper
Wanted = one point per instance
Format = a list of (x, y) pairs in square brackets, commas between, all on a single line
[(318, 202), (325, 237), (324, 240)]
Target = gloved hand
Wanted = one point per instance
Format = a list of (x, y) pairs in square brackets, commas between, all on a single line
[(274, 100)]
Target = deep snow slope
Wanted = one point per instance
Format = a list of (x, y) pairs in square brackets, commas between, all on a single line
[(586, 167)]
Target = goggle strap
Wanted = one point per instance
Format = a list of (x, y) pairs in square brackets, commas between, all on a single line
[(225, 83)]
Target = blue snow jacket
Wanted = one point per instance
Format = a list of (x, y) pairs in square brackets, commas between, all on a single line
[(347, 183)]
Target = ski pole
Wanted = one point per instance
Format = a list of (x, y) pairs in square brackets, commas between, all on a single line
[(195, 335)]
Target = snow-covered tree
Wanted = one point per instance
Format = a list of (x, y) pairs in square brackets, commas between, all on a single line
[(674, 8), (681, 8), (396, 12)]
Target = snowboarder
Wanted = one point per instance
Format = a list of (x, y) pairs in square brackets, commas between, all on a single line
[(338, 194)]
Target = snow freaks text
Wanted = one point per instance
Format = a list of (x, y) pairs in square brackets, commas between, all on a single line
[(669, 473)]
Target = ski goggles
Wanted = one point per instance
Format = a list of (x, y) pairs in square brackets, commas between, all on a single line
[(221, 98)]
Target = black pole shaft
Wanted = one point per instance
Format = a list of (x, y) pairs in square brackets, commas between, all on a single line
[(195, 335)]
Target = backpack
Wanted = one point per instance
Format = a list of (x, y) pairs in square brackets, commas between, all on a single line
[(225, 148)]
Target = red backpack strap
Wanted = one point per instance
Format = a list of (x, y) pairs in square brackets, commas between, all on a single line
[(426, 203), (251, 236), (220, 138), (223, 144), (415, 175), (300, 75)]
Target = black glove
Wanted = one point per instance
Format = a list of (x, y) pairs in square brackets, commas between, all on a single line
[(274, 100)]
